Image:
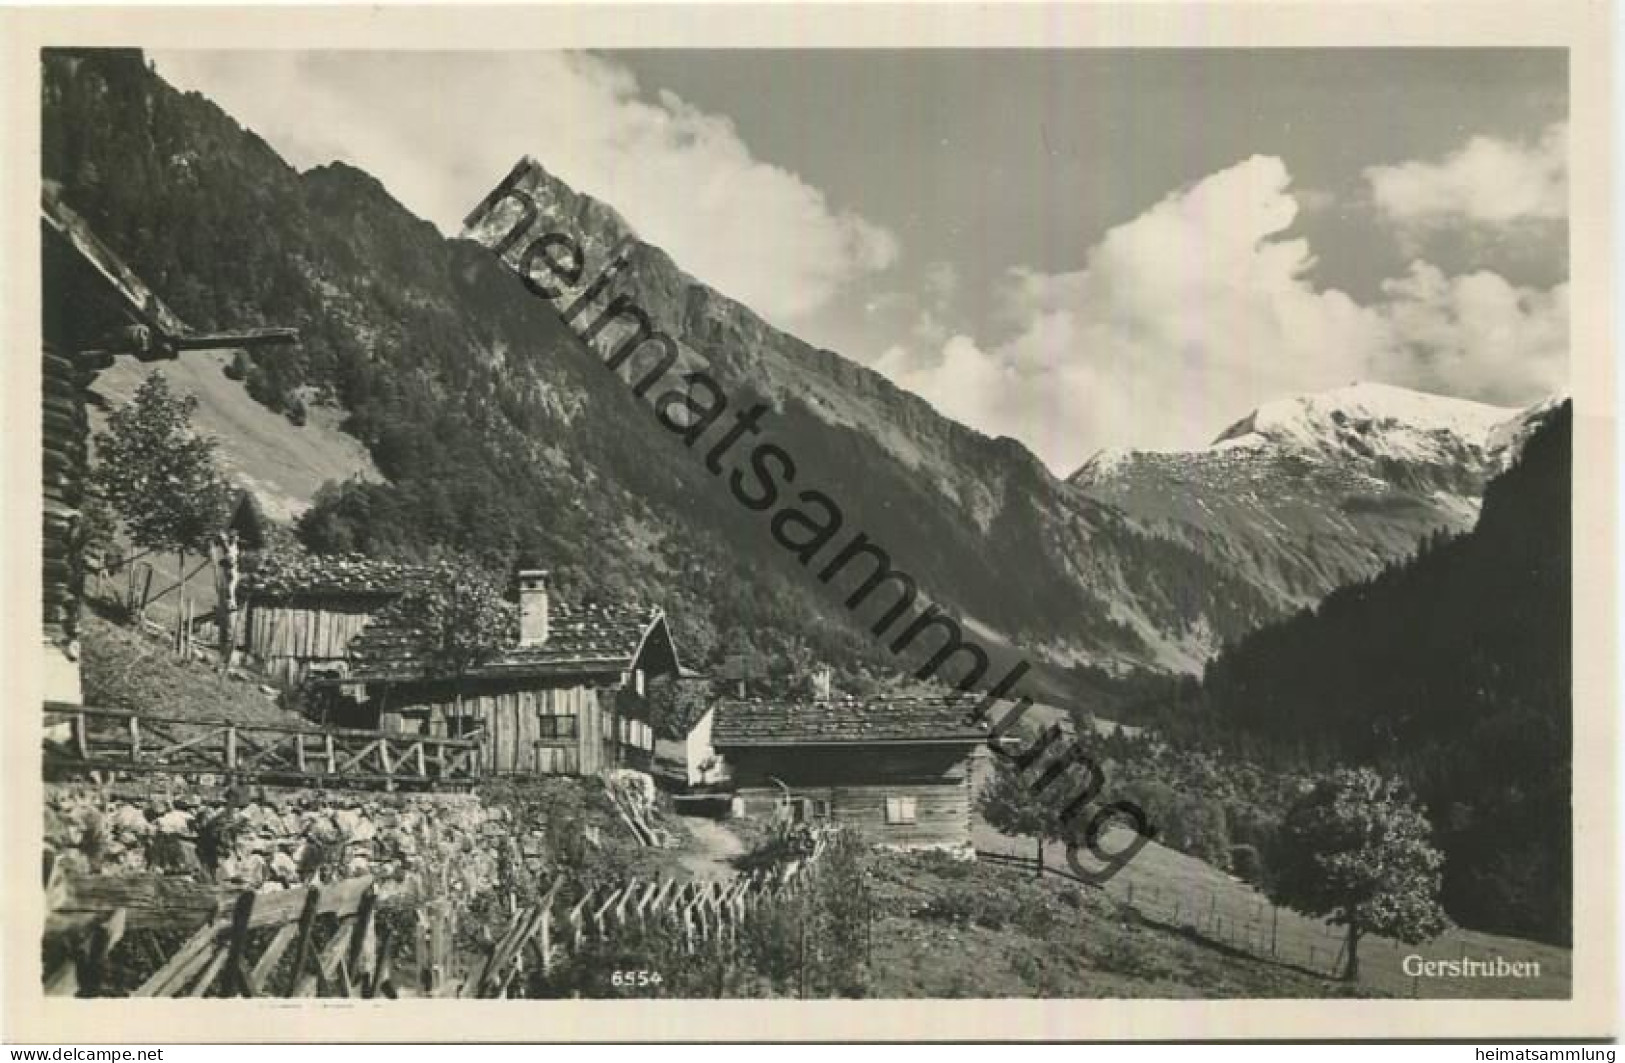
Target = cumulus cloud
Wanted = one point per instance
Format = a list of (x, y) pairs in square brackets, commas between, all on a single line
[(1196, 311), (439, 129), (1476, 336), (1489, 181)]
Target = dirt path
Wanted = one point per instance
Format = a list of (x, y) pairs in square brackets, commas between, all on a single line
[(713, 849)]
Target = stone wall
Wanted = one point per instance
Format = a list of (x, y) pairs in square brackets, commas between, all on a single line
[(266, 838)]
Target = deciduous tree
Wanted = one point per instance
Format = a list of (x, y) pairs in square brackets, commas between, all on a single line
[(1014, 803), (461, 621), (1357, 849), (159, 474)]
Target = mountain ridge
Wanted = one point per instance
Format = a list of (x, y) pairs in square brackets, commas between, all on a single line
[(1480, 425), (1312, 491)]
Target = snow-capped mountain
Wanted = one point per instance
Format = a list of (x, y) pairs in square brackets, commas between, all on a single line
[(1368, 420), (1310, 492)]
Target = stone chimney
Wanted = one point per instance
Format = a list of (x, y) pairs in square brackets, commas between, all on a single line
[(532, 606)]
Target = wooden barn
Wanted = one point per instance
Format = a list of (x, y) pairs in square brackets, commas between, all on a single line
[(568, 698), (896, 770), (95, 308), (300, 616)]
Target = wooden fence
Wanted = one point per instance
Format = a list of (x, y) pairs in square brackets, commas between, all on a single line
[(702, 911), (116, 740), (1256, 932), (240, 940), (1038, 867), (347, 955)]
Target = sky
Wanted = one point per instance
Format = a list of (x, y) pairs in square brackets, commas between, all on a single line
[(1074, 248)]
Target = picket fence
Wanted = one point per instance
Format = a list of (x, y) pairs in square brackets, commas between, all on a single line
[(352, 952)]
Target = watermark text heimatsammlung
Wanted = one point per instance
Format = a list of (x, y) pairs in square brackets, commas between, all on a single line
[(690, 403)]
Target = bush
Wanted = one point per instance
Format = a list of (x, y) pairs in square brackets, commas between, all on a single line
[(993, 905), (945, 865), (782, 843), (1247, 864)]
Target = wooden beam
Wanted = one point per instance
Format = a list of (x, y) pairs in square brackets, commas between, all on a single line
[(92, 966), (154, 902), (150, 902), (363, 943), (198, 740), (68, 708), (173, 976), (248, 339), (285, 775), (383, 976), (274, 951), (237, 973), (216, 963), (357, 758), (311, 909)]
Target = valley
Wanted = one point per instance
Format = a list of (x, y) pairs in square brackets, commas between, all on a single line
[(487, 574)]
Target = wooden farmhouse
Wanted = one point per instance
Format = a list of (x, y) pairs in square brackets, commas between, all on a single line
[(95, 308), (896, 770), (568, 698)]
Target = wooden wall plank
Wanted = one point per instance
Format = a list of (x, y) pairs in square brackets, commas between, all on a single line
[(856, 782)]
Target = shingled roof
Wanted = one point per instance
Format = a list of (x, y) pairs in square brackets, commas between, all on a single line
[(582, 639), (843, 722), (331, 575)]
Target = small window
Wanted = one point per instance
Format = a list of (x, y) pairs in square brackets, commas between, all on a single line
[(557, 726), (899, 810), (463, 726)]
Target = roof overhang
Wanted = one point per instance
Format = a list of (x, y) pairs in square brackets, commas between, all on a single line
[(658, 620), (615, 668), (801, 743)]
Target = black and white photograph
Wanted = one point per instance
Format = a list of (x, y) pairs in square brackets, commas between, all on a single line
[(539, 523)]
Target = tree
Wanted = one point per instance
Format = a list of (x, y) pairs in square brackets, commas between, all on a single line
[(676, 705), (1014, 803), (159, 474), (461, 621), (1356, 848)]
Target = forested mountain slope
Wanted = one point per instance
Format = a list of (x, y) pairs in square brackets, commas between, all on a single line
[(1454, 669)]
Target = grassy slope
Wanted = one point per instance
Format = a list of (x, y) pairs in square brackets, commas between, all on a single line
[(282, 463), (1178, 890), (124, 669), (1070, 943)]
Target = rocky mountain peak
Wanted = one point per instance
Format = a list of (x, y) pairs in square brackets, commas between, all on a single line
[(1311, 491), (1399, 421)]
